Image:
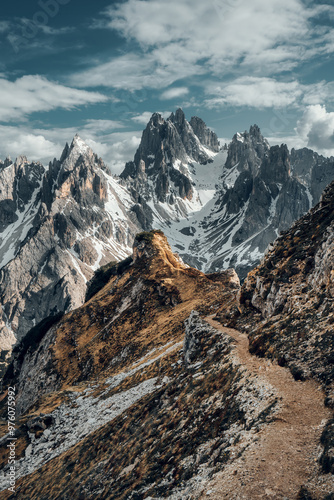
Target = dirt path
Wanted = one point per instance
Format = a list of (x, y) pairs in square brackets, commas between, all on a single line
[(285, 455)]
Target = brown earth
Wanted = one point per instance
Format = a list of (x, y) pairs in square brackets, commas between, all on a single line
[(284, 457)]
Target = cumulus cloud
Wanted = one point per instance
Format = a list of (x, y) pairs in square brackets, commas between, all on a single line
[(33, 93), (189, 38), (174, 93), (316, 128), (121, 150), (116, 148), (16, 141)]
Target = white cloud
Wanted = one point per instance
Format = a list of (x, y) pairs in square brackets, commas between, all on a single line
[(134, 71), (145, 117), (48, 30), (129, 71), (181, 39), (98, 126), (255, 92), (120, 150), (316, 128), (34, 93), (266, 92), (292, 141), (16, 141), (175, 92), (116, 148)]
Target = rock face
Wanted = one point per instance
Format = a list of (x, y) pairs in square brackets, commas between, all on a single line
[(314, 170), (205, 135), (261, 192), (19, 183), (220, 209), (152, 284), (65, 223), (290, 297), (160, 170), (115, 367)]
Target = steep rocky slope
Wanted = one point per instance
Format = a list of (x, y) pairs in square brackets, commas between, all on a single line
[(286, 308), (161, 173), (58, 225), (260, 193), (139, 393), (127, 338), (62, 224), (290, 297)]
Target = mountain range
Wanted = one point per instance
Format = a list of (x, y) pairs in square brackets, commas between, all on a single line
[(219, 208), (142, 364)]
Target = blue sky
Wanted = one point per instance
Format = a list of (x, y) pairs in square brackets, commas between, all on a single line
[(101, 68)]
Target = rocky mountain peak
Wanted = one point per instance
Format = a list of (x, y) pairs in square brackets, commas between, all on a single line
[(21, 160), (247, 150), (60, 225), (204, 134), (276, 166), (160, 170), (8, 161), (255, 132), (77, 172), (178, 117), (153, 245), (73, 157), (155, 120), (76, 150)]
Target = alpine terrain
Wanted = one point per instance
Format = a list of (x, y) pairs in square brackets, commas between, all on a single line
[(218, 207), (168, 332), (149, 390)]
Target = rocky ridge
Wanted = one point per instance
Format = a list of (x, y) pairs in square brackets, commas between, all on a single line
[(60, 224), (143, 363), (287, 301), (160, 172), (220, 209)]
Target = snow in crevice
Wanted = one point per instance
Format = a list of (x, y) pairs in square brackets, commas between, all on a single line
[(16, 232), (309, 197), (77, 265)]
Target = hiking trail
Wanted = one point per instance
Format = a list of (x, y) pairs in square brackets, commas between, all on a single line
[(285, 456)]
